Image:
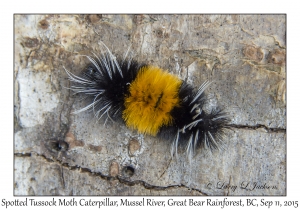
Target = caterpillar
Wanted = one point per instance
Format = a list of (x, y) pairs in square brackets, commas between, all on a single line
[(151, 101)]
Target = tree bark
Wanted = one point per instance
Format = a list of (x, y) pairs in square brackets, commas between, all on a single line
[(59, 153)]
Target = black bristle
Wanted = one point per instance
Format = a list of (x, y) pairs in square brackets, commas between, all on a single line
[(209, 123), (115, 85)]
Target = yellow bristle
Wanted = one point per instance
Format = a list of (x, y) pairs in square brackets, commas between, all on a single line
[(152, 96)]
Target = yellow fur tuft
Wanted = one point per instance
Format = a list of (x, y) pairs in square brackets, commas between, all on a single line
[(152, 96)]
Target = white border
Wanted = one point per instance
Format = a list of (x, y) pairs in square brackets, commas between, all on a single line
[(153, 6)]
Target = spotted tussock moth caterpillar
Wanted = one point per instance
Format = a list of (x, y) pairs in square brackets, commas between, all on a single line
[(150, 100)]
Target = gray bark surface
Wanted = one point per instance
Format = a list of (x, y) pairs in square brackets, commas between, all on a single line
[(244, 56)]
